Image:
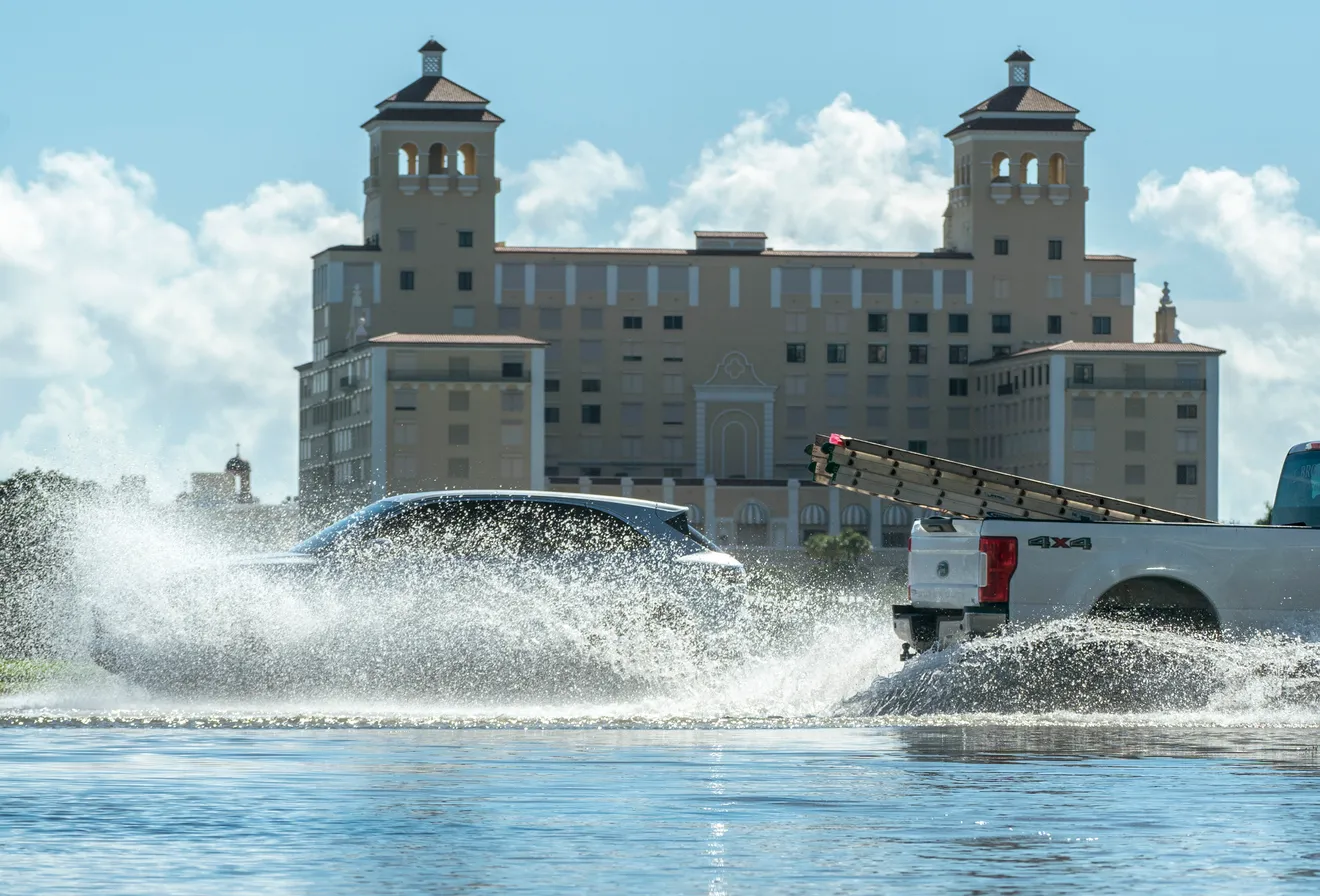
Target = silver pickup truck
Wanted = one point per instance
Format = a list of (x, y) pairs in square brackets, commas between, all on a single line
[(996, 549)]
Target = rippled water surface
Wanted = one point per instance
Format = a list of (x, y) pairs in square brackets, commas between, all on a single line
[(543, 733), (921, 809)]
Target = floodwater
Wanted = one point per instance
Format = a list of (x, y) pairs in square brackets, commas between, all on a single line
[(541, 733)]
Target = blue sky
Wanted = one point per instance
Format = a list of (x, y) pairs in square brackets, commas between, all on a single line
[(179, 121)]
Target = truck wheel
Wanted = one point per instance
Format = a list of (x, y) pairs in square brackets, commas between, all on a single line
[(1160, 603)]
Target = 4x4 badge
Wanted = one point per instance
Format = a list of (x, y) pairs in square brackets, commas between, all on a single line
[(1050, 541)]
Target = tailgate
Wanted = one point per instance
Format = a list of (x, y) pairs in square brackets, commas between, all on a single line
[(946, 568)]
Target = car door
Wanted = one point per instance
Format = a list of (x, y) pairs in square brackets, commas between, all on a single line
[(583, 540)]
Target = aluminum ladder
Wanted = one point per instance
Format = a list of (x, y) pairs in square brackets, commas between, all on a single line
[(947, 486)]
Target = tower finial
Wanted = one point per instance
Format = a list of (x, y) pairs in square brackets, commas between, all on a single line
[(1019, 68), (1164, 295), (432, 59)]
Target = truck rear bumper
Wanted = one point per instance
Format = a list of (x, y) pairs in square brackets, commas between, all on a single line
[(920, 628)]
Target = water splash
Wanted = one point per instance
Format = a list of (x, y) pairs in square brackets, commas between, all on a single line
[(153, 601)]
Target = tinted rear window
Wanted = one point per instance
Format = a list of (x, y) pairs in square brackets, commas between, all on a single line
[(680, 522), (1298, 498)]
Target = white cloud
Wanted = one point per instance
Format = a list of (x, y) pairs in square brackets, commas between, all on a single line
[(1272, 335), (558, 196), (851, 181), (132, 345)]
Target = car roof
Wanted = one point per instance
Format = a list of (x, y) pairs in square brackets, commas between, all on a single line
[(568, 497)]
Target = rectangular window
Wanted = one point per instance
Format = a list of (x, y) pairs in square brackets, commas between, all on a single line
[(465, 281), (458, 468), (918, 418), (836, 385), (551, 414), (1056, 250), (631, 413), (1106, 286), (551, 318), (672, 414), (836, 353), (918, 385), (877, 417), (632, 351), (796, 418), (960, 449), (672, 448), (1188, 441), (592, 385), (1134, 440), (877, 354), (1101, 326), (918, 322), (1083, 473), (1134, 474), (673, 321), (465, 239), (1134, 408), (1054, 324), (458, 434), (511, 401), (1000, 287), (631, 447), (671, 351), (591, 318), (591, 413), (1054, 286), (957, 387), (1187, 474), (836, 322), (1187, 412), (1083, 408), (1083, 438), (552, 385), (836, 418), (797, 353), (407, 279), (960, 418), (795, 322), (877, 322), (957, 354), (958, 323), (1001, 323), (405, 399), (465, 317), (795, 385), (1084, 374), (511, 370), (407, 240), (917, 445), (1001, 245), (404, 434), (917, 354), (591, 351), (632, 322), (672, 384), (1001, 351), (511, 435), (877, 386), (511, 468), (459, 400), (631, 383), (510, 318)]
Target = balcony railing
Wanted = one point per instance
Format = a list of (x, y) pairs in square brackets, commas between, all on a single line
[(1149, 384), (492, 375)]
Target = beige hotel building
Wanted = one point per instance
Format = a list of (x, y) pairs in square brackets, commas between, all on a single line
[(442, 359)]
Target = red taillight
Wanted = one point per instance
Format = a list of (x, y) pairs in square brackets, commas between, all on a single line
[(1001, 562)]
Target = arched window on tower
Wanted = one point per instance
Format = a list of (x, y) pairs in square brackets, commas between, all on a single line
[(437, 159), (999, 165), (1058, 169), (407, 159), (467, 159), (1030, 173)]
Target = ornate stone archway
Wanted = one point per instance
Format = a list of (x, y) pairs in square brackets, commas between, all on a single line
[(727, 406)]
